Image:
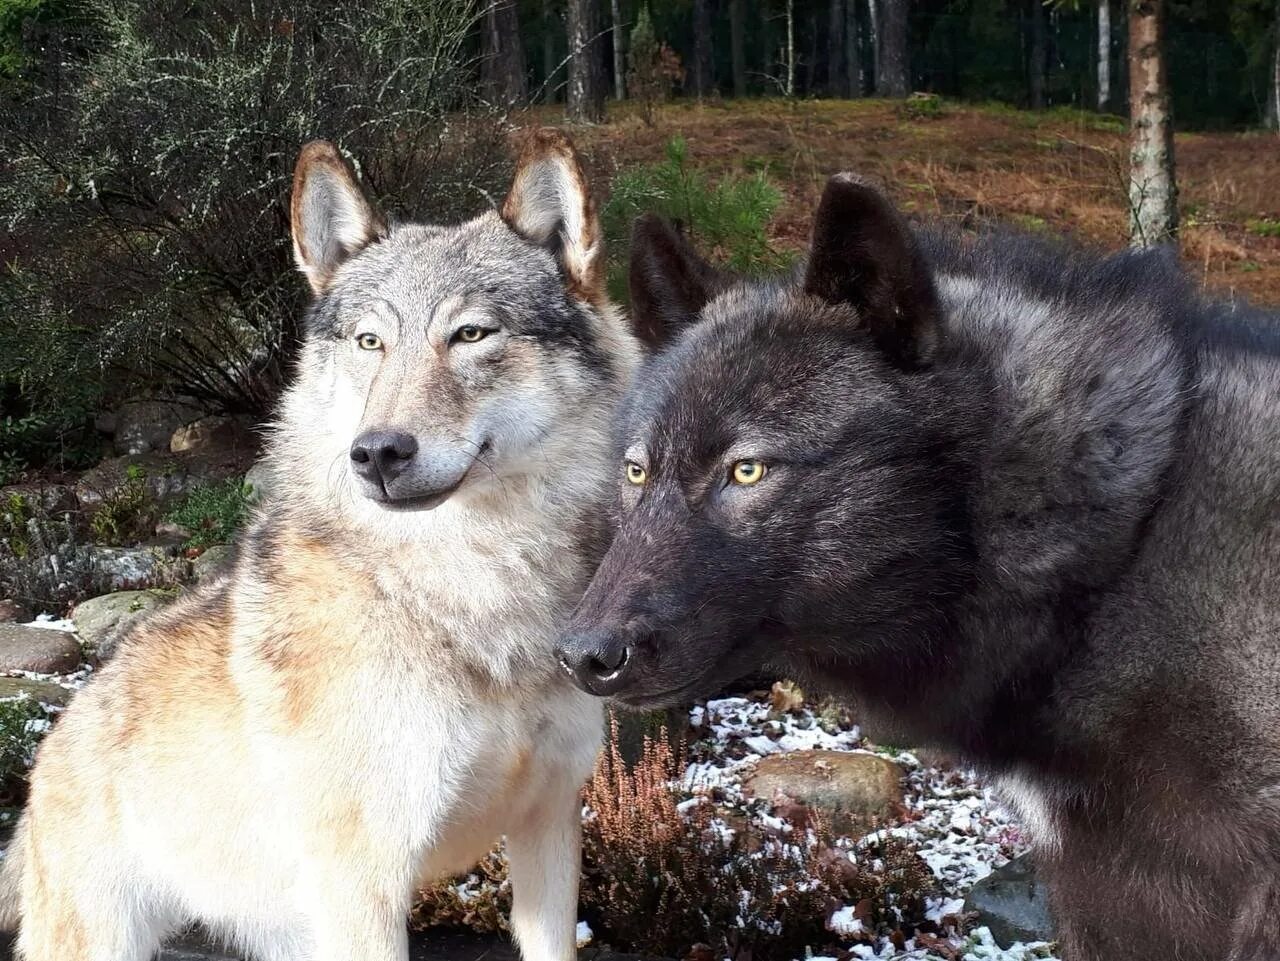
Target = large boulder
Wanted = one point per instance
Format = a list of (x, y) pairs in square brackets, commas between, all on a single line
[(846, 788), (40, 650), (212, 562), (147, 425), (42, 498), (13, 612), (1013, 903), (46, 692), (102, 621), (128, 568), (165, 478), (261, 480), (213, 433)]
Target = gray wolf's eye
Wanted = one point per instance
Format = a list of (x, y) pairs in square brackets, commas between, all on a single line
[(748, 472), (369, 342), (470, 333)]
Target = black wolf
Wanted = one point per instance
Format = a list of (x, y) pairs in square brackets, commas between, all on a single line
[(1011, 499)]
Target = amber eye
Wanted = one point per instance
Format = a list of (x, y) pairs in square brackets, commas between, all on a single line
[(471, 333), (748, 472), (369, 342), (636, 474)]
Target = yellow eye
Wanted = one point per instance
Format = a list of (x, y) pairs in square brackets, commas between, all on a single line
[(748, 472), (471, 333), (636, 474), (369, 342)]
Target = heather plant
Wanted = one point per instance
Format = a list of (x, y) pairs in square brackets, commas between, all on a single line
[(45, 563), (212, 513)]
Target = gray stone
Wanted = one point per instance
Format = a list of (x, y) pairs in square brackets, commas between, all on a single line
[(102, 621), (846, 788), (46, 692), (1013, 903), (147, 425), (212, 561), (40, 650), (129, 568), (11, 612), (44, 498)]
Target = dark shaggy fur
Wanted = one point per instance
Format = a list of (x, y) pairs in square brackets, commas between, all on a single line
[(1020, 502)]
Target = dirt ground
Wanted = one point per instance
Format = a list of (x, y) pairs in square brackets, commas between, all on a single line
[(1059, 171)]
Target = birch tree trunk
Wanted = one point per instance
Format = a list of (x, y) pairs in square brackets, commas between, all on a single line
[(1273, 89), (873, 20), (1104, 54), (895, 63), (1153, 190), (619, 52), (789, 87), (737, 38), (586, 71)]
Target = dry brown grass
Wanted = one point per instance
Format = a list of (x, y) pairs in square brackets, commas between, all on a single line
[(1058, 171)]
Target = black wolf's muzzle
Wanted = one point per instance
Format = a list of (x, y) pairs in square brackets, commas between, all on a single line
[(598, 661)]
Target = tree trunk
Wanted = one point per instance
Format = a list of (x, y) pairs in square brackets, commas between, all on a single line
[(852, 57), (502, 72), (837, 78), (1153, 190), (1038, 57), (790, 86), (895, 62), (1104, 54), (619, 52), (586, 71), (701, 72), (737, 36), (873, 20), (549, 66)]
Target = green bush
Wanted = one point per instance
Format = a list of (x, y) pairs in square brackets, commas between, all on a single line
[(728, 218), (128, 513), (148, 155), (22, 722), (213, 512)]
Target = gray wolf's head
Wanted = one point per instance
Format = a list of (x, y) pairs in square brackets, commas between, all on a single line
[(781, 478), (446, 363)]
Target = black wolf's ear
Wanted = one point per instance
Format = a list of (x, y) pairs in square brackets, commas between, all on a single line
[(670, 281), (550, 204), (865, 255), (331, 218)]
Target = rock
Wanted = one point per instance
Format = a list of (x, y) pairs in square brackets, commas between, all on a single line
[(261, 480), (1013, 903), (166, 477), (126, 568), (212, 561), (44, 498), (46, 692), (845, 788), (40, 650), (102, 621), (209, 433), (171, 533), (147, 425), (11, 612)]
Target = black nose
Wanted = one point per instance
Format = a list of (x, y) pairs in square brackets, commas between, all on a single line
[(598, 662), (379, 456)]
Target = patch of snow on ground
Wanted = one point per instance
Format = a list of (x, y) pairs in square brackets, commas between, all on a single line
[(584, 934), (49, 622)]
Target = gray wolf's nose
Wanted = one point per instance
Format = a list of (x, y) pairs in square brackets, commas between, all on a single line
[(380, 456), (598, 661)]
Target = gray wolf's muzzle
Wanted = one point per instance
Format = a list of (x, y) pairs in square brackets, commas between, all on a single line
[(395, 470)]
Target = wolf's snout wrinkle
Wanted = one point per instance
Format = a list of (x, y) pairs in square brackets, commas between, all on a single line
[(380, 456), (598, 662)]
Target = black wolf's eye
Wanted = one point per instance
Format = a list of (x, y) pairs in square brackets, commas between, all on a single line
[(470, 333), (369, 342), (748, 472), (636, 474)]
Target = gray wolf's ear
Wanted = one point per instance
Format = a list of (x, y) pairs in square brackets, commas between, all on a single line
[(864, 255), (670, 281), (550, 205), (331, 218)]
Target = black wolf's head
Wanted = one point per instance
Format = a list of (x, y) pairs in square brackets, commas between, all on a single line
[(783, 479)]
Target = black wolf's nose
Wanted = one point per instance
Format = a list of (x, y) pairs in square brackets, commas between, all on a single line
[(598, 662), (379, 456)]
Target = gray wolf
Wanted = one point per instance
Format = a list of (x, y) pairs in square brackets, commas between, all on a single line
[(1009, 498), (369, 698)]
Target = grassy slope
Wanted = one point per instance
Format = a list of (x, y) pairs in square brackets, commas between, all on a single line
[(1060, 170)]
